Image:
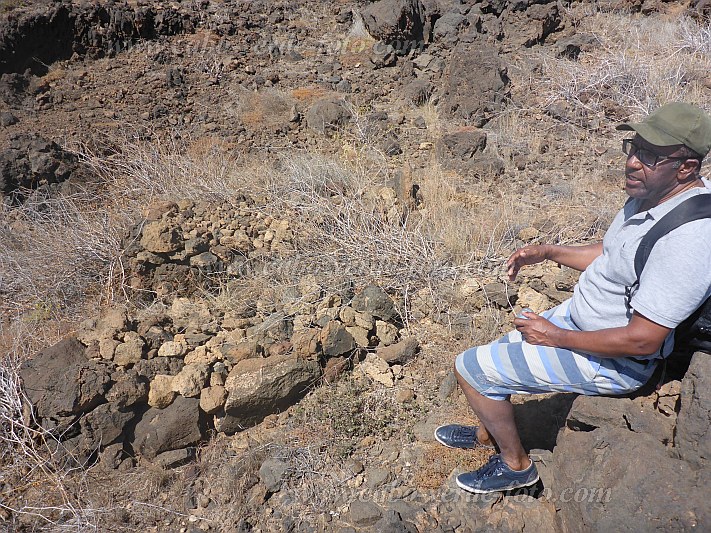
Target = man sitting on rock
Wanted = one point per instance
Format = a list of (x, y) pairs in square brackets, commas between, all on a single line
[(604, 340)]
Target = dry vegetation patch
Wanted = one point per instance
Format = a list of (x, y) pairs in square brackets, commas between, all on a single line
[(264, 109), (634, 64), (310, 94)]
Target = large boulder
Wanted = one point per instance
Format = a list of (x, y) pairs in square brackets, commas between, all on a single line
[(161, 236), (128, 390), (12, 88), (615, 458), (189, 314), (36, 38), (61, 382), (398, 22), (530, 27), (336, 340), (103, 426), (29, 161), (476, 84), (461, 145), (447, 27), (400, 353), (637, 415), (176, 426), (374, 301), (259, 387), (463, 150), (520, 513), (327, 115), (111, 324), (190, 380), (611, 472)]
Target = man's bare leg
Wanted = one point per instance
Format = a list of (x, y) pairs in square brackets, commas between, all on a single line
[(498, 424)]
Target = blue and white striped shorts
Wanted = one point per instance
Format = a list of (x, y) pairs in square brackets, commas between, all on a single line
[(510, 365)]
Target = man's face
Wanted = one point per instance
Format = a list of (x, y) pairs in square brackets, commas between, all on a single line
[(645, 182)]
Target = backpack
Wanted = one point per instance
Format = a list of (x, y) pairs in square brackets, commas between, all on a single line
[(695, 332)]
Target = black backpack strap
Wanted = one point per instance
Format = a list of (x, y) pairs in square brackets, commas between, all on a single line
[(695, 208), (695, 330)]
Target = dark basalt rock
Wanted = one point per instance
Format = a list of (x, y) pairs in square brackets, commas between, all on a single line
[(30, 161), (76, 386), (35, 39)]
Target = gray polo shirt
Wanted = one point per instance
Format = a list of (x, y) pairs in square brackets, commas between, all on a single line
[(675, 281)]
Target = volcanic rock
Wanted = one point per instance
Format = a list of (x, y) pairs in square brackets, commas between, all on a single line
[(259, 387), (174, 427)]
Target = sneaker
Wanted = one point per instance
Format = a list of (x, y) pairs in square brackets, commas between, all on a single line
[(497, 476), (458, 436)]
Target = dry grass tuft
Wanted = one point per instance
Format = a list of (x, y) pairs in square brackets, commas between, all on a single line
[(311, 94), (136, 173), (55, 253), (350, 228), (267, 108), (342, 413), (638, 64)]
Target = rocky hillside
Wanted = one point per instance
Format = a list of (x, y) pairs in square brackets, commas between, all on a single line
[(241, 243)]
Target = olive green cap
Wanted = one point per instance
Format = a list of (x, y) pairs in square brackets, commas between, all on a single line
[(673, 124)]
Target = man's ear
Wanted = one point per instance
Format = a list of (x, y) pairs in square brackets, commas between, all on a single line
[(687, 167)]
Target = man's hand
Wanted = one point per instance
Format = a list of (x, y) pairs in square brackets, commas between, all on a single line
[(577, 257), (528, 255), (537, 330), (638, 338)]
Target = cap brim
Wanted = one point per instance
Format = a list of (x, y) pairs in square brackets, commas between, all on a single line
[(650, 134)]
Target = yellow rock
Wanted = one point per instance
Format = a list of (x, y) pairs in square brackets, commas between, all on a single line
[(528, 233), (528, 297)]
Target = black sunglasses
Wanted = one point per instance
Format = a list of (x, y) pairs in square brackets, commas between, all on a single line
[(645, 156)]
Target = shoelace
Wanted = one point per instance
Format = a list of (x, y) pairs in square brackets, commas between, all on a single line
[(464, 433), (493, 467)]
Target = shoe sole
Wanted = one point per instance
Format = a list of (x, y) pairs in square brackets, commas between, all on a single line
[(479, 491), (478, 445)]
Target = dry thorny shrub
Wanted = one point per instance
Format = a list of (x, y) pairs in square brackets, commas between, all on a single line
[(636, 65), (55, 253)]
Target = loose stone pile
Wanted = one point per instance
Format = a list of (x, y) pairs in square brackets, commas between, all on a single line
[(157, 386), (182, 246)]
